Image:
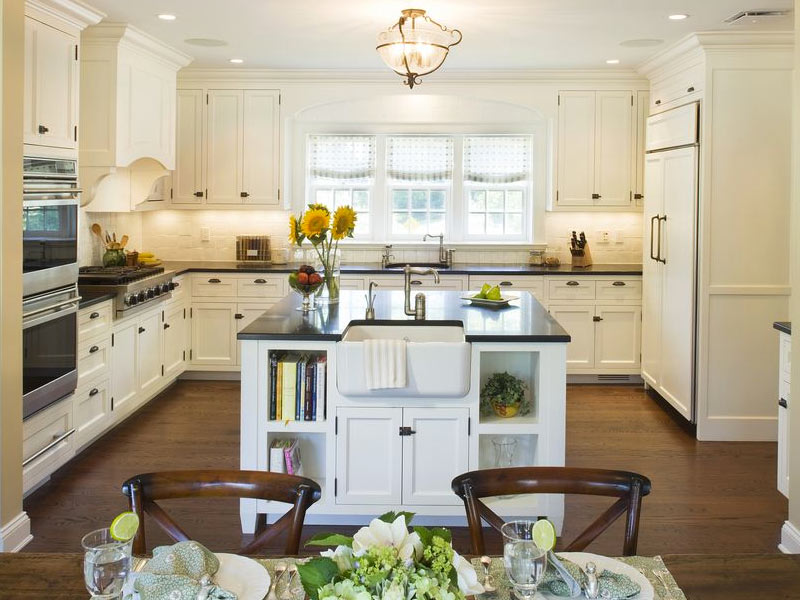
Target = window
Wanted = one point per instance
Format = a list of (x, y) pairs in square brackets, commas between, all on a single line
[(341, 170), (496, 186), (469, 187), (419, 175)]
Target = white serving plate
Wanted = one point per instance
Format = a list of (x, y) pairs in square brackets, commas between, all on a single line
[(238, 574), (486, 302), (605, 563)]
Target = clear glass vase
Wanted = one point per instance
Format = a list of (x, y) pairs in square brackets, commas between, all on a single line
[(330, 266)]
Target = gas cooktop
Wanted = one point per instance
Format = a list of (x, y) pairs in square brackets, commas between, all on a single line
[(115, 275)]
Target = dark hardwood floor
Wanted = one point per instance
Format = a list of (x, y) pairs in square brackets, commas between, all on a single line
[(707, 496)]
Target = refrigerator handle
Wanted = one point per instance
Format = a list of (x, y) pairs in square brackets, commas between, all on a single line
[(652, 220), (660, 258)]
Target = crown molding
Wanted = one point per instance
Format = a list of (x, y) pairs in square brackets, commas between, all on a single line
[(385, 76), (126, 35), (73, 12), (710, 41)]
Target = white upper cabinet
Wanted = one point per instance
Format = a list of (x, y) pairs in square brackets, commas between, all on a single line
[(187, 180), (227, 152), (596, 149), (52, 49), (129, 115)]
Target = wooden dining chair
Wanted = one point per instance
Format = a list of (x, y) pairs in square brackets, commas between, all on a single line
[(628, 488), (144, 490)]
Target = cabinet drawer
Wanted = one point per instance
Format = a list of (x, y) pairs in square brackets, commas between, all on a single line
[(95, 320), (94, 358), (571, 289), (786, 356), (534, 285), (352, 282), (213, 286), (688, 81), (47, 442), (262, 287), (619, 289), (92, 411)]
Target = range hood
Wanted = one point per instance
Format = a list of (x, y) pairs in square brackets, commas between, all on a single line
[(128, 95)]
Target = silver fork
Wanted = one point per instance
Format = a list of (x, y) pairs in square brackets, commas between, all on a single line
[(280, 569), (288, 593), (659, 574)]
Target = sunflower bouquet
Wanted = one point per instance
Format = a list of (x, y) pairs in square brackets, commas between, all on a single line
[(324, 231)]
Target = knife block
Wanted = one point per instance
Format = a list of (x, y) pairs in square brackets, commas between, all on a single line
[(581, 257)]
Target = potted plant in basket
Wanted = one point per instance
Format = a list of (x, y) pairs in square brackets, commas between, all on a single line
[(505, 395)]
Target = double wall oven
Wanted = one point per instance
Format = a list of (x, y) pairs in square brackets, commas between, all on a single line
[(50, 274)]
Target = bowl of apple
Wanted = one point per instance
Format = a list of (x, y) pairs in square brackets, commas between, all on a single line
[(306, 282)]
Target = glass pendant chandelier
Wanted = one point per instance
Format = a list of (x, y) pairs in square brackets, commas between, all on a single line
[(416, 45)]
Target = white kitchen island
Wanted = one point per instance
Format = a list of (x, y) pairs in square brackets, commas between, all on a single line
[(360, 450)]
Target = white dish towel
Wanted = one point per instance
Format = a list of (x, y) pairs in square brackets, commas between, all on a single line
[(385, 364)]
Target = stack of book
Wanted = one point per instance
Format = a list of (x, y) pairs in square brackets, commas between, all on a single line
[(284, 457), (297, 387)]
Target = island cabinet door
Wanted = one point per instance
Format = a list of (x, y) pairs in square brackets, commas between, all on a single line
[(618, 337), (369, 457), (435, 450), (213, 334), (578, 320)]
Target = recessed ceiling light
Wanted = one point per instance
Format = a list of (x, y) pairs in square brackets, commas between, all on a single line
[(166, 17), (678, 17), (612, 61), (237, 61)]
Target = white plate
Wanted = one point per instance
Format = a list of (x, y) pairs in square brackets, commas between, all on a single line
[(486, 302), (238, 574), (611, 564)]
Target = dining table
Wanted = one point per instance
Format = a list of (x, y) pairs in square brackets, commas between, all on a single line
[(699, 576)]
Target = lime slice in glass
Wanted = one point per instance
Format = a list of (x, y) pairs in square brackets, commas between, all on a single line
[(124, 526), (544, 535)]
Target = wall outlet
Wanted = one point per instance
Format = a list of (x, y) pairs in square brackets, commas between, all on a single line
[(619, 237), (603, 237), (205, 234)]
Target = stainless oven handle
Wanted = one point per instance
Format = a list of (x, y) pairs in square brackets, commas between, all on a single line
[(53, 190), (49, 446), (66, 200), (31, 319), (54, 294)]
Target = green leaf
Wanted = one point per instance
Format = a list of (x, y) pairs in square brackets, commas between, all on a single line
[(443, 533), (425, 534), (330, 539), (315, 574), (390, 516)]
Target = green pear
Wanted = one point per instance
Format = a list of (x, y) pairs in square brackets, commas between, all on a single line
[(484, 290), (494, 294)]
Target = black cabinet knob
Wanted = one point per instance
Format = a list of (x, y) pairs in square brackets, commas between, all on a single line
[(43, 129), (142, 330), (238, 316), (596, 196), (244, 195), (658, 102), (198, 194), (166, 325)]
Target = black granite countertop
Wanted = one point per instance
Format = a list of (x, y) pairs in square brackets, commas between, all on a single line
[(524, 320), (784, 326), (90, 299), (181, 267)]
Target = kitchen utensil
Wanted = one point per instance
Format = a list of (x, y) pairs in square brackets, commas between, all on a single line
[(604, 563), (123, 241), (98, 231), (489, 586), (287, 591), (280, 569)]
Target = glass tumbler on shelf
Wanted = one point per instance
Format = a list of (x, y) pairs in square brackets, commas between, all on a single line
[(525, 563), (504, 450), (106, 564)]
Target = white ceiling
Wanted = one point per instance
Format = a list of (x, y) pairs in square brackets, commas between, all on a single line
[(504, 34)]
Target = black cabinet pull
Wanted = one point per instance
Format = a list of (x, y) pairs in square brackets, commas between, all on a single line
[(404, 431), (94, 392), (141, 329), (638, 196), (238, 316), (214, 280), (572, 283), (416, 282), (782, 402), (43, 129), (93, 349), (690, 89), (260, 281), (94, 315), (506, 284), (166, 325), (198, 194), (619, 283), (597, 319), (244, 195), (658, 102), (596, 196)]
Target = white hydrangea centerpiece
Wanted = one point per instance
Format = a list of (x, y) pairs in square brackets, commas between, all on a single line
[(386, 561)]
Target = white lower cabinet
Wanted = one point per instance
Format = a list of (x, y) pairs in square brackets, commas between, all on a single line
[(578, 320), (176, 336), (214, 334), (149, 351), (92, 406), (784, 406), (383, 454), (618, 336), (48, 441), (124, 366)]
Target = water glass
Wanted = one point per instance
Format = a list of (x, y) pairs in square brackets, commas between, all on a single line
[(525, 563), (106, 564)]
